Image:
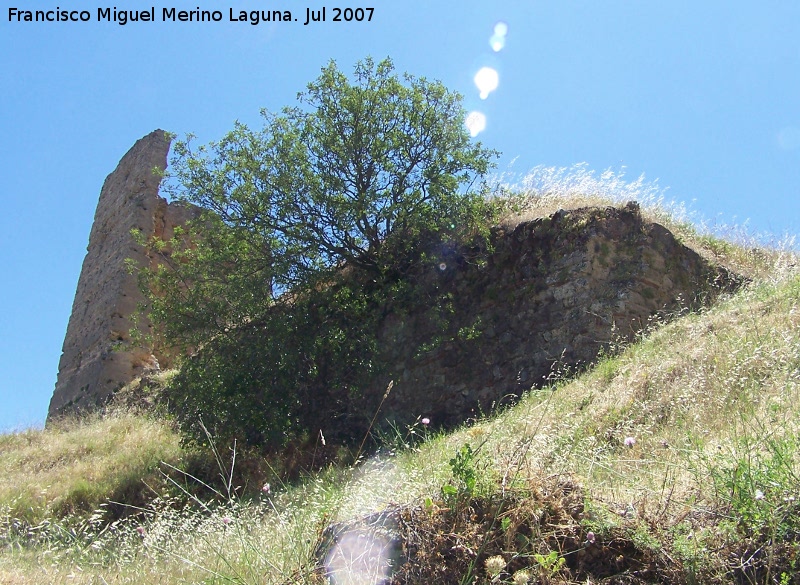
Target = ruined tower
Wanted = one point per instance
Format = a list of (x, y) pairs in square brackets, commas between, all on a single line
[(98, 356)]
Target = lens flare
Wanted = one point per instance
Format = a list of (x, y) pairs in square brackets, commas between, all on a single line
[(498, 39), (475, 123), (486, 80), (365, 551), (497, 43), (360, 557)]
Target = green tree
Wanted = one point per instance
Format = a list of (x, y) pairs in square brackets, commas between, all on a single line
[(361, 178)]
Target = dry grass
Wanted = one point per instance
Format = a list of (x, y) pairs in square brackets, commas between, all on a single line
[(682, 448), (688, 392), (545, 190), (74, 466)]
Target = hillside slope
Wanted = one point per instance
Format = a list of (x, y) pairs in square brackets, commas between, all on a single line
[(674, 461)]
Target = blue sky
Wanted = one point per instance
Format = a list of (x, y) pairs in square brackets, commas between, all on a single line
[(703, 96)]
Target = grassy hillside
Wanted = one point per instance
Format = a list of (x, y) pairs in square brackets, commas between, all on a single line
[(673, 461), (73, 467)]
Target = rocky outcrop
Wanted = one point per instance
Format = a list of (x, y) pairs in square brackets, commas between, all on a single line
[(98, 356)]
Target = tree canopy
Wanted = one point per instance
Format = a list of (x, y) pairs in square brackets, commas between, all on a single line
[(363, 174)]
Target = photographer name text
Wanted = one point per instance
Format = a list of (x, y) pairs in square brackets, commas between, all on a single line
[(164, 14)]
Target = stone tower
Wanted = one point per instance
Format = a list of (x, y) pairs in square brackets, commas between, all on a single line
[(98, 356)]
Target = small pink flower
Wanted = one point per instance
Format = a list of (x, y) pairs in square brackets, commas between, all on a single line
[(267, 488), (630, 441), (426, 421), (590, 537), (226, 520), (140, 530)]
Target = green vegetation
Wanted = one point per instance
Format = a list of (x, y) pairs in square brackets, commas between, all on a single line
[(705, 493), (673, 460), (311, 226)]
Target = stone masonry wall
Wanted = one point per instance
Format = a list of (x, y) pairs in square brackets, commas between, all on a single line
[(98, 356), (554, 293)]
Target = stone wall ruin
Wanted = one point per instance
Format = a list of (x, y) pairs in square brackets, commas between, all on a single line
[(98, 356), (555, 293)]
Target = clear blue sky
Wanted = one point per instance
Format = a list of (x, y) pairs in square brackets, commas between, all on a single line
[(704, 96)]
